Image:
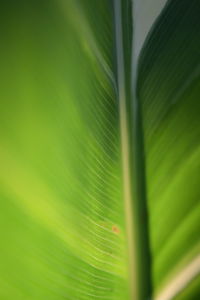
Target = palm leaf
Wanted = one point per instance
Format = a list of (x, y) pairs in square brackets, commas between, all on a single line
[(80, 130)]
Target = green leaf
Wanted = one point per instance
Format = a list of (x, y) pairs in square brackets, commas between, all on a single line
[(99, 150), (62, 220), (168, 88)]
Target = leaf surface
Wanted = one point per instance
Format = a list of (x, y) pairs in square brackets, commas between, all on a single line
[(168, 88), (64, 230)]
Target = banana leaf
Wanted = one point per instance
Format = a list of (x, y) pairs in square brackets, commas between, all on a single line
[(99, 150)]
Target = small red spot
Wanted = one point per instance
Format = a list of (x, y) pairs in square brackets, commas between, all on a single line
[(115, 229)]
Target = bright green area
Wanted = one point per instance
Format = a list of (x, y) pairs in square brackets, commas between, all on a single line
[(60, 179), (61, 205)]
